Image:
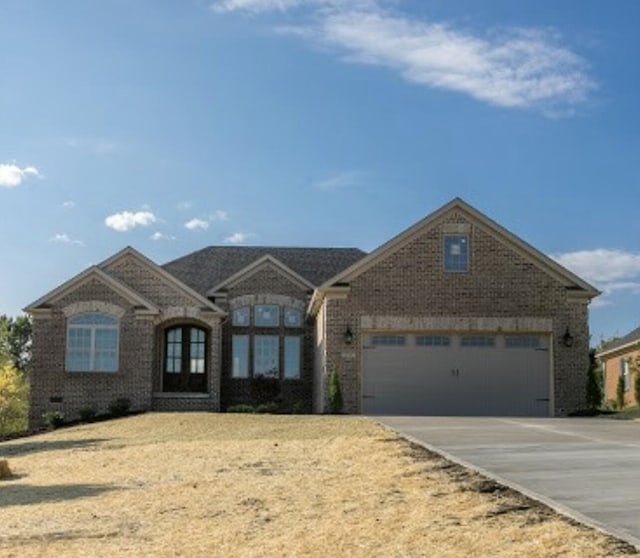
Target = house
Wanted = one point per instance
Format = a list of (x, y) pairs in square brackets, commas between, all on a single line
[(454, 316), (618, 360)]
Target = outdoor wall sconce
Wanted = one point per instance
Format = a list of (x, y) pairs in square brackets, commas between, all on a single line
[(348, 336), (567, 338)]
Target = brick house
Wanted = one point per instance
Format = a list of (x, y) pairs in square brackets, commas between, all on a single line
[(455, 315), (618, 360)]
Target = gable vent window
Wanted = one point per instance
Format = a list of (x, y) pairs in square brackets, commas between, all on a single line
[(456, 253)]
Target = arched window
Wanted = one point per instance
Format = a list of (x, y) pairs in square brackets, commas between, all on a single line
[(92, 343), (185, 359)]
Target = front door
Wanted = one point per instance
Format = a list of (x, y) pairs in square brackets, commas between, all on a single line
[(185, 363)]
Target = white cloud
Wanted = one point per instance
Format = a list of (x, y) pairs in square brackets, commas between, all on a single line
[(161, 236), (611, 271), (64, 238), (510, 67), (238, 237), (127, 220), (513, 68), (197, 224), (69, 204), (11, 175), (219, 215), (340, 181), (601, 265)]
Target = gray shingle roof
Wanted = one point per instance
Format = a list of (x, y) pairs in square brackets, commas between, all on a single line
[(210, 266), (631, 337)]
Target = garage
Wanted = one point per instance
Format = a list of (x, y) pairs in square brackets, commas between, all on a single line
[(466, 374)]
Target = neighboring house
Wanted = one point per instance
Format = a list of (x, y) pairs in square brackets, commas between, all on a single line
[(618, 360), (455, 315)]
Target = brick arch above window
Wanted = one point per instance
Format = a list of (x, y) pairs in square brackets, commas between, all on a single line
[(89, 306)]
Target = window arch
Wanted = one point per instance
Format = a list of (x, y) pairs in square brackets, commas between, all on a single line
[(92, 343), (185, 358)]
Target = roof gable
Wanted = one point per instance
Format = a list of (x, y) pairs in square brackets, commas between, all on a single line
[(540, 260), (629, 341), (212, 266), (92, 273), (164, 275), (265, 262)]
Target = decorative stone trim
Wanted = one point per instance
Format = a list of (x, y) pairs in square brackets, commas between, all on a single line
[(456, 324), (187, 312), (93, 306), (281, 300)]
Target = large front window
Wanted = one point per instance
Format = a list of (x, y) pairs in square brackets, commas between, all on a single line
[(267, 342), (92, 343), (185, 359)]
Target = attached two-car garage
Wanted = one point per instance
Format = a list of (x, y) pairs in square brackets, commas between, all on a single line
[(480, 374)]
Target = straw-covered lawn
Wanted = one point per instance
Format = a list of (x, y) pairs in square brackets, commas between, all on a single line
[(241, 485)]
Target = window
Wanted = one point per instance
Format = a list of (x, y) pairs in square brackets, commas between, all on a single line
[(267, 315), (624, 373), (389, 340), (240, 316), (240, 356), (266, 341), (522, 342), (292, 317), (477, 341), (433, 341), (92, 343), (456, 253), (185, 359), (291, 357), (265, 356)]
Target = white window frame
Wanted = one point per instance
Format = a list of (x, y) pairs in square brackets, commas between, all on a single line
[(92, 328)]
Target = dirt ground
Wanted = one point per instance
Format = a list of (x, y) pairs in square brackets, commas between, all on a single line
[(244, 485)]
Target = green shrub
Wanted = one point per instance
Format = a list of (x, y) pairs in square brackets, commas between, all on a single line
[(87, 414), (241, 409), (335, 392), (298, 408), (269, 408), (14, 400), (54, 419), (620, 393), (120, 407), (594, 387), (611, 404)]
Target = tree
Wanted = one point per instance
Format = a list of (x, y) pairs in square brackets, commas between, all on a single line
[(14, 400), (620, 389), (594, 382), (636, 381), (15, 341)]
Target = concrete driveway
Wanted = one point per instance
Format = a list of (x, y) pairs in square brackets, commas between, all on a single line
[(586, 468)]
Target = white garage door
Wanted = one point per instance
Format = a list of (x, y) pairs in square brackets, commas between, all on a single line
[(440, 374)]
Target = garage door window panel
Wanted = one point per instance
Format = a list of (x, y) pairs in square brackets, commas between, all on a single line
[(389, 340), (477, 341), (433, 341)]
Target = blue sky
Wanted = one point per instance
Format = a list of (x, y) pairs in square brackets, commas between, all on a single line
[(172, 125)]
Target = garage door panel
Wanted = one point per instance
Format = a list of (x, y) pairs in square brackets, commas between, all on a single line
[(498, 375)]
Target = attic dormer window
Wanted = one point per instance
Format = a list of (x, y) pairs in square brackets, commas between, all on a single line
[(456, 253)]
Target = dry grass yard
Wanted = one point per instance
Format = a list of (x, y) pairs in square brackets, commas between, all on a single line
[(164, 485)]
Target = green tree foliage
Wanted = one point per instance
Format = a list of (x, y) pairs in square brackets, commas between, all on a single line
[(15, 341), (335, 392), (620, 393), (14, 399), (636, 381), (594, 382)]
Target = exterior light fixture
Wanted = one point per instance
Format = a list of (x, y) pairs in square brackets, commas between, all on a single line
[(348, 336), (567, 338)]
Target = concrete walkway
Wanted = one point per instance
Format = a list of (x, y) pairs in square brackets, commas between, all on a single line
[(588, 469)]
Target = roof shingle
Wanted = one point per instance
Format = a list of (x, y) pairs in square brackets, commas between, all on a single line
[(203, 269)]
